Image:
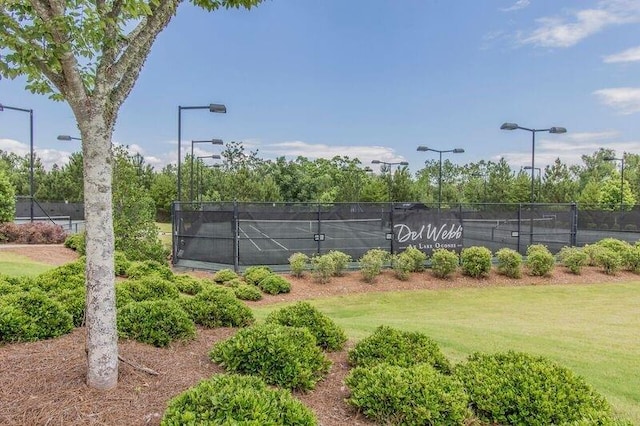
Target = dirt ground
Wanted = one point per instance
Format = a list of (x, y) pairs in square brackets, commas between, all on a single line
[(44, 382)]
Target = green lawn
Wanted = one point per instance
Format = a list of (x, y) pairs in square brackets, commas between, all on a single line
[(164, 231), (592, 329), (16, 265)]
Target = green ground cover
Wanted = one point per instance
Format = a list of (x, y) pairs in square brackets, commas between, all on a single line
[(16, 265), (592, 329)]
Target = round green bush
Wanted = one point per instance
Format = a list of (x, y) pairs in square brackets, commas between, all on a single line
[(187, 284), (302, 314), (323, 268), (32, 315), (217, 306), (540, 261), (340, 261), (235, 399), (156, 322), (139, 269), (515, 388), (151, 287), (66, 277), (247, 292), (396, 347), (573, 258), (444, 262), (609, 259), (274, 284), (298, 263), (509, 263), (234, 283), (282, 356), (76, 242), (73, 301), (417, 395), (123, 297), (402, 265), (631, 259), (371, 264), (475, 261), (224, 275), (614, 244), (417, 256), (255, 274)]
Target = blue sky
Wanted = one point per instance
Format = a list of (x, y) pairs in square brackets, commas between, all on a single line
[(373, 80)]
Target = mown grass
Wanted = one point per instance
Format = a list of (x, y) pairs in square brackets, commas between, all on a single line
[(592, 329), (164, 233), (15, 265)]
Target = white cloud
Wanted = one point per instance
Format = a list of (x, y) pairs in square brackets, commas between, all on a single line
[(520, 4), (569, 30), (624, 99), (629, 55), (18, 148)]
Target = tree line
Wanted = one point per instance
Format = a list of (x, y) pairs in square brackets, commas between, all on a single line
[(242, 175)]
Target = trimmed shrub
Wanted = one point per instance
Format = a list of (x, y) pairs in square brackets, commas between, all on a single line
[(187, 284), (402, 265), (7, 288), (255, 274), (444, 262), (122, 264), (632, 259), (123, 297), (509, 263), (65, 277), (340, 261), (76, 242), (417, 256), (73, 301), (475, 261), (298, 263), (235, 399), (217, 306), (573, 258), (32, 315), (151, 288), (323, 268), (401, 348), (282, 356), (417, 395), (517, 388), (540, 261), (274, 284), (139, 269), (235, 283), (609, 260), (328, 334), (371, 264), (224, 275), (614, 244), (247, 292), (156, 322)]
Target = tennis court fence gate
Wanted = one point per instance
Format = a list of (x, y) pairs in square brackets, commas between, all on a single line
[(236, 235)]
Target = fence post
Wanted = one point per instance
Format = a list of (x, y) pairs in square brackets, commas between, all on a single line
[(174, 233), (573, 237), (236, 238), (391, 221), (519, 221), (319, 229)]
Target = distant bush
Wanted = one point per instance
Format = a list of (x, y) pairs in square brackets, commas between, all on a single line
[(371, 264), (631, 259), (224, 275), (280, 355), (217, 306), (76, 242), (302, 314), (247, 292), (235, 399), (156, 322), (274, 284), (475, 261), (402, 266), (396, 347), (614, 244), (517, 389), (323, 268), (32, 315), (139, 269), (69, 276), (417, 395), (32, 233), (417, 256), (540, 261), (151, 287), (509, 263), (573, 258), (591, 250), (298, 263), (255, 274), (187, 284), (235, 283), (609, 259), (444, 262), (340, 260)]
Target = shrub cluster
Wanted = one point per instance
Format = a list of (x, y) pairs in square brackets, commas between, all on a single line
[(328, 334), (254, 274), (76, 242), (444, 262), (573, 258), (540, 261), (217, 306), (517, 388), (371, 264), (475, 261), (32, 233), (150, 287), (138, 269), (224, 275), (281, 355), (509, 263), (418, 258), (274, 284), (298, 263), (340, 262), (323, 268), (247, 292), (402, 266), (187, 284), (235, 399)]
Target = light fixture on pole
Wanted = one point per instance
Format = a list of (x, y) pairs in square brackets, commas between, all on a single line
[(423, 148), (218, 108), (68, 138), (621, 177), (400, 163), (555, 130), (212, 142), (31, 189), (539, 177)]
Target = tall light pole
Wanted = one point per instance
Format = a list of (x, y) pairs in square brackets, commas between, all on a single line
[(423, 148), (215, 157), (514, 126), (621, 176), (219, 108), (30, 111), (400, 163), (539, 178), (211, 141)]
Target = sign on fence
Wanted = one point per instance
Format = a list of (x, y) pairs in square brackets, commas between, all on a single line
[(427, 230)]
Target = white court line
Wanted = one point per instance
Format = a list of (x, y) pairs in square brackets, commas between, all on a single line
[(248, 238), (266, 236)]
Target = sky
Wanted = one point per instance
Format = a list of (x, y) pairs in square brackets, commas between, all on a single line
[(373, 80)]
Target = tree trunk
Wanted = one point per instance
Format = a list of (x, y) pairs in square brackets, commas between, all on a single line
[(102, 336)]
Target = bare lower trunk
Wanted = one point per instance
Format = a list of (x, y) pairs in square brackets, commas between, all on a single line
[(102, 336)]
